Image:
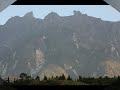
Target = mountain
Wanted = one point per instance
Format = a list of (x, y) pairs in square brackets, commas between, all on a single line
[(77, 45)]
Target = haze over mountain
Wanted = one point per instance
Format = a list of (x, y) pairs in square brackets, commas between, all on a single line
[(73, 45)]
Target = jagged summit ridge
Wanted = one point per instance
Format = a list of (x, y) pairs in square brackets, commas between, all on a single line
[(52, 16), (77, 13), (29, 14)]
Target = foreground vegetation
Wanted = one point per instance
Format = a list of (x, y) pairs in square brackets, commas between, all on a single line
[(25, 79)]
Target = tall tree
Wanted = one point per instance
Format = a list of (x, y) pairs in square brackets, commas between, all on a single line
[(69, 78), (8, 80), (63, 77), (45, 77), (37, 78), (23, 76), (80, 78)]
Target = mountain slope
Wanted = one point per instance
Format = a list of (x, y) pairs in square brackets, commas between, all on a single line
[(78, 44)]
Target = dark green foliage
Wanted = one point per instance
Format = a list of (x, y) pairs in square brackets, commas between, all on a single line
[(37, 78), (80, 78), (97, 81), (45, 78), (62, 80), (8, 80), (23, 76), (62, 77), (100, 77), (106, 77), (115, 85), (56, 77), (69, 78)]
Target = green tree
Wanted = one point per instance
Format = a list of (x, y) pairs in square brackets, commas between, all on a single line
[(56, 77), (23, 76), (69, 78), (80, 78), (63, 77), (52, 77), (28, 77), (118, 77), (100, 77), (45, 77), (8, 80), (106, 77), (37, 78)]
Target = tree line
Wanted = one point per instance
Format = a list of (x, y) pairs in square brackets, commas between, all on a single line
[(25, 79)]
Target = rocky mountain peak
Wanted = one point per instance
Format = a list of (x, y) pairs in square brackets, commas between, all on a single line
[(52, 16), (29, 14), (77, 13)]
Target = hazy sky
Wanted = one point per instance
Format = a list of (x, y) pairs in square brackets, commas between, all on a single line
[(105, 12)]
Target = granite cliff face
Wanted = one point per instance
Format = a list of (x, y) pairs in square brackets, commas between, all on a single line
[(75, 45)]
